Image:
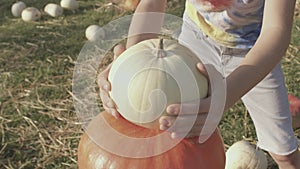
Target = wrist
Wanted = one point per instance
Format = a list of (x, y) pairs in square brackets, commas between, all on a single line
[(205, 105)]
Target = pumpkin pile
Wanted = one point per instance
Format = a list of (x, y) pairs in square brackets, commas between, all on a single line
[(151, 58), (127, 4), (92, 32), (29, 14)]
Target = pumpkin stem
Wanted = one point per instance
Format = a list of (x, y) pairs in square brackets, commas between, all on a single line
[(160, 51), (161, 43)]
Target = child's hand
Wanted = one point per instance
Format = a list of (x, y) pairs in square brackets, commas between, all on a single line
[(187, 114), (104, 85)]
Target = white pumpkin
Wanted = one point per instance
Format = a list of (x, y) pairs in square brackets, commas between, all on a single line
[(17, 8), (53, 10), (94, 33), (243, 155), (151, 75), (69, 4), (31, 14)]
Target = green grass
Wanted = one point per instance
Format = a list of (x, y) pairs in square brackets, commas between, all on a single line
[(39, 127)]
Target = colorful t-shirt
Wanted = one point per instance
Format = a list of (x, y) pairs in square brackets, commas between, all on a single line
[(232, 23)]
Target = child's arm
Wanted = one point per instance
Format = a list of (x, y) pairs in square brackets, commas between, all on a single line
[(147, 18), (139, 23), (262, 58), (267, 52)]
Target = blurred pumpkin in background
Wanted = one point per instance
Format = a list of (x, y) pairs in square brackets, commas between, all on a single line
[(127, 4)]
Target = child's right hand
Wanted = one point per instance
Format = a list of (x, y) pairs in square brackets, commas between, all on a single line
[(105, 87)]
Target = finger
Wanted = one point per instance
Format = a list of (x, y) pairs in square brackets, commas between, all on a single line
[(103, 84), (115, 113), (118, 50), (182, 122), (181, 131), (106, 100), (202, 69), (186, 132), (103, 76), (190, 108), (108, 104), (112, 111), (164, 122), (102, 81)]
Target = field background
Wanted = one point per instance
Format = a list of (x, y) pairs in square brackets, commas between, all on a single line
[(38, 124)]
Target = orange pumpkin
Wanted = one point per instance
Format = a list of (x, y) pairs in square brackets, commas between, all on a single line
[(187, 154), (131, 4), (295, 110), (127, 4)]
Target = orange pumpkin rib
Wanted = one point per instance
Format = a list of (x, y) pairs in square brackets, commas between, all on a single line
[(187, 154)]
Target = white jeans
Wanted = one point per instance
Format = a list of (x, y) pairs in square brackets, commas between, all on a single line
[(267, 103)]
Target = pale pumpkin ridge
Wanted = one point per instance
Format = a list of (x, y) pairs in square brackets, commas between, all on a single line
[(161, 81), (251, 158), (167, 76), (147, 84), (170, 66)]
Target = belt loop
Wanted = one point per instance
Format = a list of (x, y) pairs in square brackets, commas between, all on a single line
[(199, 35), (222, 50)]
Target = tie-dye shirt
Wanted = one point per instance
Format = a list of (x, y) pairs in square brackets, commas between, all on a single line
[(232, 23)]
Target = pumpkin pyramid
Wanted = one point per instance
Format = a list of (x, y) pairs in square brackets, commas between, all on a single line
[(132, 144)]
